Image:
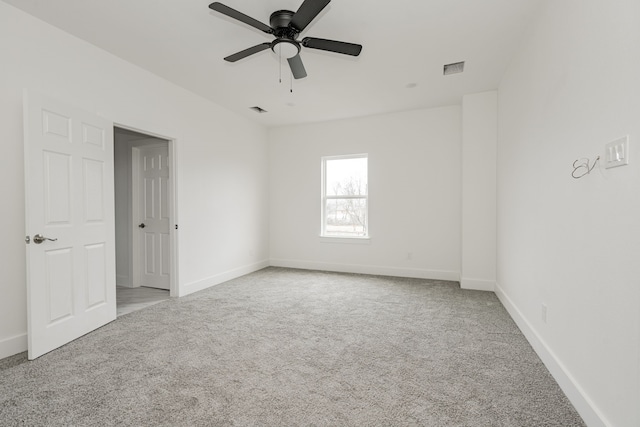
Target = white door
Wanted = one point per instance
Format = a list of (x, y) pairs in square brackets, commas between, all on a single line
[(153, 216), (69, 223)]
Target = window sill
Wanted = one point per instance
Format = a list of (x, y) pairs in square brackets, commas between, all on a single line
[(346, 240)]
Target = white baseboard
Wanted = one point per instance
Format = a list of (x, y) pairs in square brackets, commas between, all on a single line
[(368, 269), (199, 285), (477, 284), (589, 412), (13, 345)]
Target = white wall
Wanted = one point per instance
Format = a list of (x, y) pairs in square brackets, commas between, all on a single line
[(414, 194), (479, 145), (574, 245), (222, 170)]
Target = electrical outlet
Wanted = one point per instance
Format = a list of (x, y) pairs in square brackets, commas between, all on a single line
[(617, 153), (543, 313)]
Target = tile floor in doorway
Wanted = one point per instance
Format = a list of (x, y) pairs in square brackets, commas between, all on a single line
[(133, 299)]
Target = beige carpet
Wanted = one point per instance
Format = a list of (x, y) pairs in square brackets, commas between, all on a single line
[(295, 348)]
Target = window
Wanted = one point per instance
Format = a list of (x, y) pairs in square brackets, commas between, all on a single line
[(344, 196)]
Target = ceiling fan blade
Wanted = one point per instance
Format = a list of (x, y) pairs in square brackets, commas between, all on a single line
[(297, 67), (307, 11), (247, 52), (226, 10), (332, 46)]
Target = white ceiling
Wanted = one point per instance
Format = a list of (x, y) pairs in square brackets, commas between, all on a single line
[(405, 43)]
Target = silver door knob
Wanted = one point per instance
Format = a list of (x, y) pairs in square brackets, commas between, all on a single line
[(38, 238)]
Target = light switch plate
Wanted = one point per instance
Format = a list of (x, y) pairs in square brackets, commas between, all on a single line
[(617, 153)]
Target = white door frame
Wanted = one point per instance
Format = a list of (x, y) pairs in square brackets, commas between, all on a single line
[(173, 222)]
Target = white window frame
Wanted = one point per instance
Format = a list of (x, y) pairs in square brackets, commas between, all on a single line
[(324, 197)]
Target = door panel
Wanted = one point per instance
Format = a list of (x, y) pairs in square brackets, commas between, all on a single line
[(150, 256), (70, 199), (93, 190), (163, 194), (93, 135), (57, 188), (164, 252), (149, 199), (56, 125), (96, 283), (59, 284)]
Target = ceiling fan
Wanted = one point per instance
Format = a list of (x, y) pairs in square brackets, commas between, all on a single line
[(286, 25)]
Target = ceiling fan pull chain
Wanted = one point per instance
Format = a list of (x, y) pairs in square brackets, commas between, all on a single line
[(291, 81), (280, 61)]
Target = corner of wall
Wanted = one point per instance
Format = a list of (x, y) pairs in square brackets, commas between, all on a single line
[(478, 255), (208, 282), (13, 345), (477, 284)]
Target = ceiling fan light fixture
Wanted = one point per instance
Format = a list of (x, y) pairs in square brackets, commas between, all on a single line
[(285, 48)]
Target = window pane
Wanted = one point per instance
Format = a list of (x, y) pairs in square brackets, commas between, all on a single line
[(346, 177), (346, 217)]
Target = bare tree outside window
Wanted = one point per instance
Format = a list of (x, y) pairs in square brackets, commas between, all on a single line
[(345, 193)]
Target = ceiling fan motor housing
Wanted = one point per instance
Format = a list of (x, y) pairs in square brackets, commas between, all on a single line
[(279, 21)]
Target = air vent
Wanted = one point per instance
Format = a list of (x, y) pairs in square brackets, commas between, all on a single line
[(258, 109), (455, 68)]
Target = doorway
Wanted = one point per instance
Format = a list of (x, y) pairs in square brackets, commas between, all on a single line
[(144, 218)]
